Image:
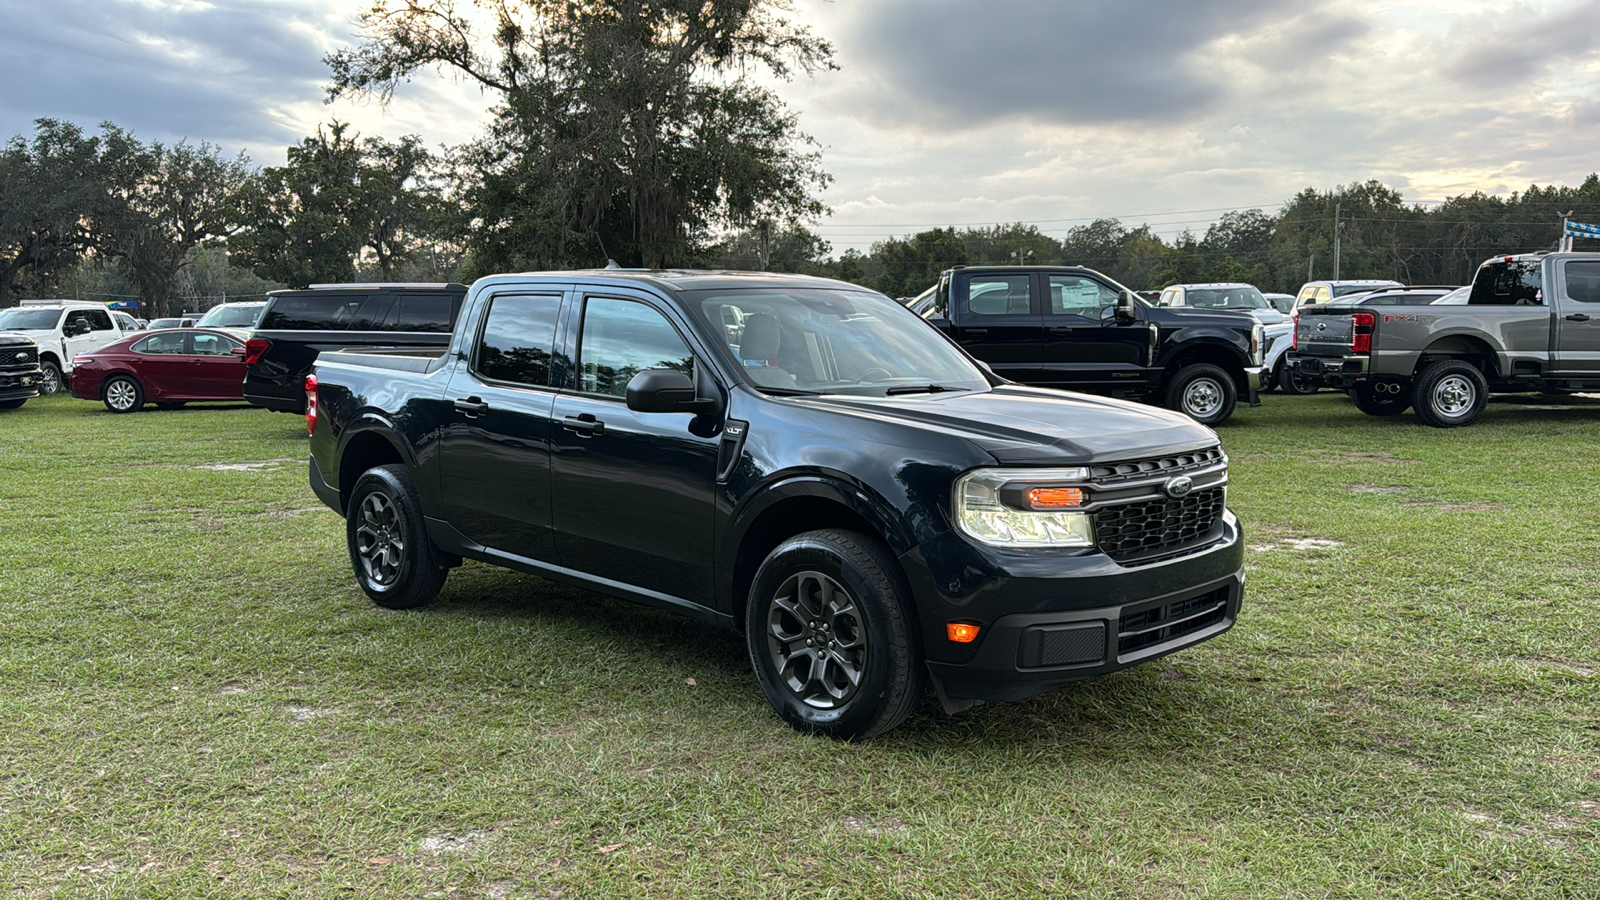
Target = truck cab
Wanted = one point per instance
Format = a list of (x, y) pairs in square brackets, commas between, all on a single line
[(64, 330)]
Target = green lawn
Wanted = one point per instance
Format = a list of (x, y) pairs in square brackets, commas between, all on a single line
[(196, 700)]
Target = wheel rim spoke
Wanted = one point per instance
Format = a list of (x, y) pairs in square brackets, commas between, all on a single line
[(380, 544), (816, 640)]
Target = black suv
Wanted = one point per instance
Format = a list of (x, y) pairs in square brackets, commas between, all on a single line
[(297, 326)]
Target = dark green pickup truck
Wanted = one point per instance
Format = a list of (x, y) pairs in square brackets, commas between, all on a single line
[(1530, 323)]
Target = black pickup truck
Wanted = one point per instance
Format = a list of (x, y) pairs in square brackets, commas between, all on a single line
[(796, 458), (1074, 328), (20, 375)]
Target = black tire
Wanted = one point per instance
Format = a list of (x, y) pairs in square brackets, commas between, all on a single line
[(1449, 393), (1294, 384), (394, 561), (1203, 392), (122, 394), (1374, 402), (840, 593), (51, 383), (13, 404)]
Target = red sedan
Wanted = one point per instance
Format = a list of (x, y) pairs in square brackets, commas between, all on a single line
[(169, 368)]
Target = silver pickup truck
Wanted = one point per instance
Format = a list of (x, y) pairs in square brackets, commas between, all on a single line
[(1531, 322)]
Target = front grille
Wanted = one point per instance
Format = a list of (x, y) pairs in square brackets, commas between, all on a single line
[(1155, 527), (1163, 624), (1165, 466), (18, 357)]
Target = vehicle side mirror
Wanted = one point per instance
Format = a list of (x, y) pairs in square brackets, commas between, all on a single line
[(1126, 309), (665, 391), (75, 328)]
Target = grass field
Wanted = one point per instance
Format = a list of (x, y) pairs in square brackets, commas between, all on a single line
[(196, 700)]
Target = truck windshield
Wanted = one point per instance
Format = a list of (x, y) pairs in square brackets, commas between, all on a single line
[(29, 319), (1227, 298), (231, 316), (817, 340)]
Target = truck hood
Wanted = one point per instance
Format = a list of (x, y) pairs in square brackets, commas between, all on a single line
[(1184, 316), (13, 338), (1035, 426)]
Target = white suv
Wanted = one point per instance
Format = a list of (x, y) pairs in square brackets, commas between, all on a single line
[(65, 329)]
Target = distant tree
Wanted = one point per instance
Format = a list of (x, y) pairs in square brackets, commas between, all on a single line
[(51, 187), (309, 218), (401, 204), (910, 265), (636, 126), (770, 248)]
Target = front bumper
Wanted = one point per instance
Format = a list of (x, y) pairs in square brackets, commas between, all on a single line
[(1255, 383), (1330, 371), (20, 385), (1049, 619)]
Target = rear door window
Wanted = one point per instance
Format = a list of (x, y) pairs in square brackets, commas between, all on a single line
[(332, 311), (1583, 281), (518, 335), (1514, 283), (424, 312)]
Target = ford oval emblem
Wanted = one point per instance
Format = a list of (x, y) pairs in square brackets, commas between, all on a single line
[(1179, 487), (1322, 326), (22, 357)]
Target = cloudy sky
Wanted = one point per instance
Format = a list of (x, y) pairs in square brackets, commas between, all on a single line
[(951, 112)]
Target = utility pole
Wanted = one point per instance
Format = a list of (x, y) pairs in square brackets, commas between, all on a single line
[(1311, 264), (1336, 207)]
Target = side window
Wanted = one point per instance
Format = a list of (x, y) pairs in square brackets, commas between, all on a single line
[(423, 312), (1170, 298), (126, 323), (1000, 295), (1322, 294), (100, 320), (1075, 295), (163, 343), (620, 339), (74, 317), (1514, 283), (518, 335), (213, 345), (1583, 281), (344, 310)]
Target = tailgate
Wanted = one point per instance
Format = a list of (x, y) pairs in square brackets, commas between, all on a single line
[(1319, 333)]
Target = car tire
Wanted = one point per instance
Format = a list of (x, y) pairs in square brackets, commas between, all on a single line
[(831, 636), (122, 394), (13, 404), (1291, 383), (1374, 403), (1449, 393), (395, 562), (50, 382), (1203, 392)]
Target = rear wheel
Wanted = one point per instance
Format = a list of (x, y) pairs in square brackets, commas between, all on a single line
[(1449, 393), (1203, 392), (830, 634), (1384, 398), (122, 394), (50, 382), (1293, 383), (394, 560)]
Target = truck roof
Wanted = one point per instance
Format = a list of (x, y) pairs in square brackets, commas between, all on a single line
[(678, 279)]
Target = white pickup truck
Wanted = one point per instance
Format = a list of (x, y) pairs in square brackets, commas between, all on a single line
[(64, 329)]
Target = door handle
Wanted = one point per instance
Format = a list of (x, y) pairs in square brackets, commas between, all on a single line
[(1577, 317), (472, 406), (584, 425), (1062, 329), (977, 331)]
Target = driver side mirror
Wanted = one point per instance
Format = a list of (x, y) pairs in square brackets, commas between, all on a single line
[(1126, 309), (665, 391), (76, 327)]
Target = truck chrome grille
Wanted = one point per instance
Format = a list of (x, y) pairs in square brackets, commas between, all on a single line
[(1148, 530), (1164, 624), (18, 357), (1116, 473)]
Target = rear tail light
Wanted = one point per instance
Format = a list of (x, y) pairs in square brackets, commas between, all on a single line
[(254, 349), (311, 404), (1361, 332)]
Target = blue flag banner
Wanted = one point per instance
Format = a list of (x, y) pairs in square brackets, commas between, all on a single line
[(1578, 230)]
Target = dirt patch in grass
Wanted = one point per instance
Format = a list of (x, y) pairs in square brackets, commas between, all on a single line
[(1454, 507), (1584, 671), (307, 713), (1298, 545), (1379, 489), (258, 466), (887, 826), (446, 842)]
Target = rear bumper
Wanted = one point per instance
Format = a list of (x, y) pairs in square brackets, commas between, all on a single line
[(1330, 371), (327, 493), (278, 398)]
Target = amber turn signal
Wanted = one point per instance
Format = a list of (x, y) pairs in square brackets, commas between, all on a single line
[(1055, 498), (961, 632)]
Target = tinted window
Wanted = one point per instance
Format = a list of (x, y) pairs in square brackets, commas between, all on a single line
[(213, 344), (126, 323), (1583, 281), (1075, 295), (1513, 283), (622, 338), (164, 343), (425, 312), (342, 310), (518, 334), (1000, 295), (100, 320)]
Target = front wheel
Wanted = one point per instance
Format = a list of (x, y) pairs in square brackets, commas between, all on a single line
[(1449, 393), (1204, 393), (395, 562), (50, 382), (1384, 398), (830, 634), (122, 394)]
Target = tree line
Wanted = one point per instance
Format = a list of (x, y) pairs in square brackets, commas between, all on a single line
[(628, 130)]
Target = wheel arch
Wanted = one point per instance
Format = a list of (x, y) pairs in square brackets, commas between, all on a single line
[(1222, 354), (366, 443), (1465, 347), (796, 506)]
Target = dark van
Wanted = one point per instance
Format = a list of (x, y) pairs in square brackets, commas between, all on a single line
[(299, 325)]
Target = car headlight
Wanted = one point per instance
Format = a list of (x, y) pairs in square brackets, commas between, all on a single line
[(1256, 342), (1023, 508)]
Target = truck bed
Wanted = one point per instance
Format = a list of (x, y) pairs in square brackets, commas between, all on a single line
[(419, 360)]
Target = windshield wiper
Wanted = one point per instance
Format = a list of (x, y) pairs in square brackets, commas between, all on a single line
[(787, 392), (922, 389)]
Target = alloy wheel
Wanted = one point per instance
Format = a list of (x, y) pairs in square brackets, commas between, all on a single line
[(817, 640), (121, 395), (380, 541)]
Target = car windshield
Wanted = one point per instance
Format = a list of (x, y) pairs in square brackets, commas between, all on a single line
[(166, 323), (825, 341), (231, 316), (1227, 298), (29, 319)]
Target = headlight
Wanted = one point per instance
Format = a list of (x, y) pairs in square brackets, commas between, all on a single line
[(1256, 333), (1024, 507)]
